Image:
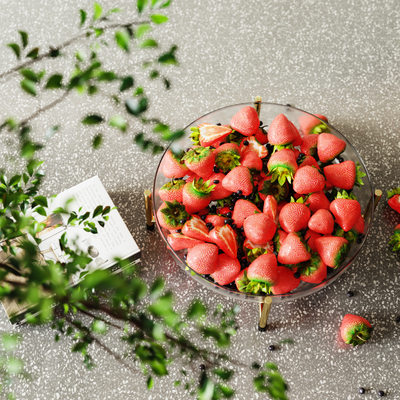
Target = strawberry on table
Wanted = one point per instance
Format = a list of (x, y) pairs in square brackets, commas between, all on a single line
[(282, 166), (314, 271), (261, 136), (203, 258), (246, 121), (227, 157), (173, 165), (251, 161), (355, 330), (344, 175), (332, 250), (172, 215), (394, 199), (395, 239), (172, 191), (293, 250), (200, 160), (262, 274), (286, 281), (310, 237), (219, 192), (253, 250), (197, 195), (322, 222), (179, 242), (227, 269), (259, 228), (239, 179), (225, 238), (317, 201), (329, 147), (196, 228), (308, 160), (281, 133), (309, 145), (279, 239), (346, 211), (310, 125), (215, 220), (294, 217), (242, 210), (308, 180)]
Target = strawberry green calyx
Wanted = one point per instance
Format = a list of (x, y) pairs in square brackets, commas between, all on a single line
[(395, 239), (242, 283), (319, 129), (359, 175), (227, 160), (257, 287), (276, 240), (195, 135), (235, 137), (174, 213), (200, 187), (357, 334), (341, 254), (282, 146), (175, 184), (281, 174), (351, 236), (194, 156), (252, 254), (309, 267), (345, 195), (300, 200), (280, 192), (393, 192)]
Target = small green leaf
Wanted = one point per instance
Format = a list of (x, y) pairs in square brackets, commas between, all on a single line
[(139, 91), (28, 86), (54, 82), (122, 38), (24, 38), (169, 58), (92, 120), (141, 30), (92, 90), (80, 56), (150, 382), (160, 3), (97, 11), (33, 53), (148, 43), (126, 83), (136, 106), (41, 200), (97, 141), (51, 131), (118, 122), (156, 288), (99, 327), (41, 211), (98, 31), (141, 4), (54, 53), (83, 16), (167, 83), (15, 48), (29, 74), (171, 136), (159, 18), (14, 365), (10, 341), (154, 74), (196, 310), (107, 77)]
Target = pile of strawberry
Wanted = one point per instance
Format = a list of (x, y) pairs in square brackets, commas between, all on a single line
[(394, 202), (262, 210)]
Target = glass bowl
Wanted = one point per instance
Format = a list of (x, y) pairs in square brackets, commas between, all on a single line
[(269, 111)]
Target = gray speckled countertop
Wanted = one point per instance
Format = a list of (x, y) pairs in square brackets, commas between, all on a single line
[(338, 58)]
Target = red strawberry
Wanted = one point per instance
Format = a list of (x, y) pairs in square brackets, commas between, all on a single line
[(239, 179), (279, 239), (314, 271), (227, 157), (173, 166), (282, 166), (253, 250), (223, 210), (253, 145), (208, 133), (219, 191), (251, 161), (196, 228), (309, 145), (172, 215), (328, 186), (271, 208), (216, 220), (262, 273), (203, 258), (332, 249), (200, 160), (322, 222), (308, 180), (355, 330), (394, 199), (293, 250), (227, 269), (294, 217), (246, 121), (266, 187), (259, 228), (197, 195), (178, 241), (243, 209), (191, 177), (281, 132), (344, 175), (225, 238), (172, 191), (318, 201), (299, 140), (311, 125), (286, 281), (359, 226), (261, 136), (395, 239), (310, 237), (346, 211), (296, 153), (329, 146), (241, 280)]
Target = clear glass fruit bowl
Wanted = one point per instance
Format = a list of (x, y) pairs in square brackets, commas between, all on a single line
[(269, 111)]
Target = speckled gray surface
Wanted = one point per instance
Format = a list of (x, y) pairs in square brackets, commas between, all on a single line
[(339, 58)]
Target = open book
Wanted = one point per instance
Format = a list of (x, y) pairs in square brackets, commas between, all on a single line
[(112, 241)]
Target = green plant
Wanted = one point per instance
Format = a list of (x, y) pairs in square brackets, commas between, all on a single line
[(153, 332)]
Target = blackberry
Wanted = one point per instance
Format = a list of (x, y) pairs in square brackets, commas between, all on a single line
[(246, 143), (216, 181)]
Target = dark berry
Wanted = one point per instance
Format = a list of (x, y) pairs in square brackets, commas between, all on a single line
[(209, 225), (234, 226), (246, 143), (362, 236), (239, 192), (361, 390), (303, 232), (231, 208), (182, 221), (398, 318), (216, 181), (213, 209), (271, 347), (359, 240), (261, 123), (219, 124), (203, 217), (216, 170), (301, 155), (229, 214), (226, 221), (220, 251), (242, 229), (178, 231), (275, 253), (341, 159), (212, 147), (202, 367), (350, 293), (222, 143), (297, 275), (381, 393), (185, 256), (230, 220)]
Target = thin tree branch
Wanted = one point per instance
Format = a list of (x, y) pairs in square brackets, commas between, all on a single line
[(64, 45)]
